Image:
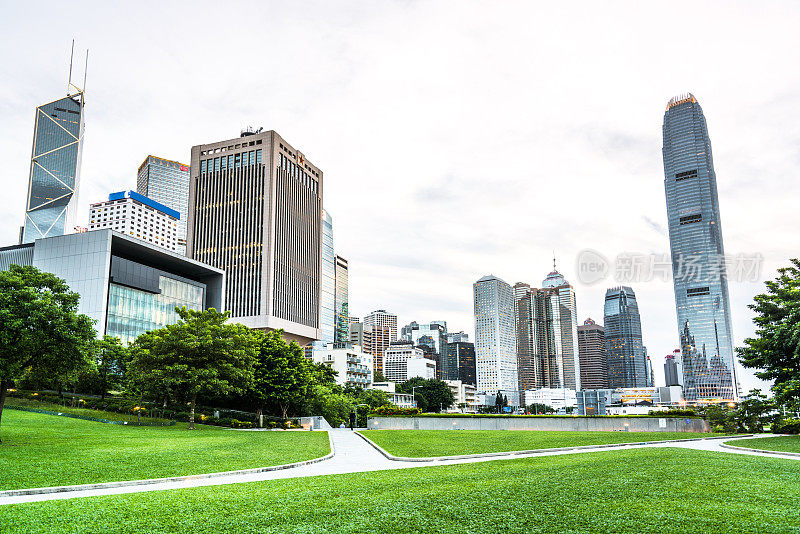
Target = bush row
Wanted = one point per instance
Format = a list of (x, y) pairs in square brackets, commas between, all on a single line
[(786, 426)]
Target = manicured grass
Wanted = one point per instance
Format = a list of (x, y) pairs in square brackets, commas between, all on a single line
[(99, 414), (427, 443), (47, 450), (781, 443), (631, 491)]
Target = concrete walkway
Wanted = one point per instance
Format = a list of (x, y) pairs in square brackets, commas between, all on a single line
[(352, 454)]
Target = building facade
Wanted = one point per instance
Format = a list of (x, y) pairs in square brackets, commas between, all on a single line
[(379, 331), (352, 365), (341, 301), (255, 205), (54, 176), (495, 343), (327, 297), (698, 266), (673, 375), (457, 337), (137, 216), (166, 182), (592, 355), (404, 361), (546, 329), (458, 362), (126, 285), (627, 363), (464, 395)]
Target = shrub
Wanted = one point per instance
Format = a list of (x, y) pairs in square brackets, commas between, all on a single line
[(235, 423), (675, 412), (786, 426), (394, 410)]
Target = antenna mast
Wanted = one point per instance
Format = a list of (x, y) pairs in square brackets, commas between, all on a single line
[(71, 53)]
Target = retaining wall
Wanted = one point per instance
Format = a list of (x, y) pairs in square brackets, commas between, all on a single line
[(629, 424)]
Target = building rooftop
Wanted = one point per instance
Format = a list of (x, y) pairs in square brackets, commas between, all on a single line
[(682, 98)]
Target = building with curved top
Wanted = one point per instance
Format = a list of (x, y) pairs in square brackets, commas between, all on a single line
[(698, 265)]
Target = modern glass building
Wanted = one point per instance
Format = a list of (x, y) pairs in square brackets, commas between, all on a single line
[(458, 362), (52, 201), (166, 182), (342, 307), (592, 354), (379, 330), (547, 334), (327, 298), (495, 343), (698, 266), (126, 285), (626, 360)]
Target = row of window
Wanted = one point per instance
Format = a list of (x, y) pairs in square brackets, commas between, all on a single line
[(294, 156), (230, 147), (689, 219), (686, 174), (242, 159)]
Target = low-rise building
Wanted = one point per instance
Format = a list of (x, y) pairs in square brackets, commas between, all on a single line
[(128, 286), (556, 398), (464, 395), (403, 400), (633, 400), (353, 366)]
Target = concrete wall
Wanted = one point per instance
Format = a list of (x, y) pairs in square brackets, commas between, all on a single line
[(631, 424)]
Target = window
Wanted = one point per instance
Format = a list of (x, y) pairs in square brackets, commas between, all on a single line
[(697, 291), (689, 219), (686, 174), (203, 166)]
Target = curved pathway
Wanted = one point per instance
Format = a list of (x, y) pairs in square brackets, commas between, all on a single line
[(352, 454)]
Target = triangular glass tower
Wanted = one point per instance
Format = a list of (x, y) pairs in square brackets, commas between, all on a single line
[(55, 167)]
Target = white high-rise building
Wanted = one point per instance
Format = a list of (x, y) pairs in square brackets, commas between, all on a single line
[(495, 340), (403, 361), (137, 216), (379, 330)]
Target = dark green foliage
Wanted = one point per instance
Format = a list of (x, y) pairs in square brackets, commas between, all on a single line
[(200, 354), (394, 410), (775, 350), (674, 412), (786, 426), (431, 395), (235, 423), (537, 408), (41, 332)]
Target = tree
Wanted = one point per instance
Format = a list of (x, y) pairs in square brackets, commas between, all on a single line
[(283, 376), (111, 357), (41, 330), (539, 408), (776, 348), (200, 354), (755, 411), (377, 376), (500, 402), (431, 395)]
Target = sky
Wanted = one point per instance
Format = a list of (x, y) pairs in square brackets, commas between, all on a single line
[(457, 139)]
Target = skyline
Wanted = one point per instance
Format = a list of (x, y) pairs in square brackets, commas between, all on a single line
[(393, 111)]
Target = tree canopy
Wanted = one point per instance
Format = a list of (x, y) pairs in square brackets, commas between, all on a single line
[(41, 330), (775, 350), (431, 395), (200, 354)]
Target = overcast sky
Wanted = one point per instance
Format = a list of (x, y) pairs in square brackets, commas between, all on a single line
[(457, 138)]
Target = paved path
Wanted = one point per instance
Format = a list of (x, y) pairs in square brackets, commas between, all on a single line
[(352, 455)]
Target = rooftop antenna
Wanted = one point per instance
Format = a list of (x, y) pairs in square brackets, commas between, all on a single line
[(71, 53), (554, 260), (85, 67)]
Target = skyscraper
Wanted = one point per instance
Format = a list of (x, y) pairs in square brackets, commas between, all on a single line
[(547, 334), (592, 354), (627, 364), (495, 343), (52, 200), (458, 362), (698, 266), (327, 294), (166, 182), (672, 371), (137, 216), (255, 205), (342, 306), (380, 329)]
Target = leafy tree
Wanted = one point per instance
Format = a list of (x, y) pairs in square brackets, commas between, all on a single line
[(111, 357), (283, 377), (754, 412), (500, 402), (540, 408), (40, 328), (776, 348), (377, 376), (373, 398), (200, 354), (431, 395)]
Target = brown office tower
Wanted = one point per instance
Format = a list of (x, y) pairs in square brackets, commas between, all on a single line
[(255, 210), (592, 354)]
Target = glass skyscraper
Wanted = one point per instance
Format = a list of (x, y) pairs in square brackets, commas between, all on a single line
[(55, 168), (495, 341), (342, 327), (327, 301), (167, 182), (625, 357), (695, 234)]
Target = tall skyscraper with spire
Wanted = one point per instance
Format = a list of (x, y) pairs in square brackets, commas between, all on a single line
[(52, 201), (695, 235)]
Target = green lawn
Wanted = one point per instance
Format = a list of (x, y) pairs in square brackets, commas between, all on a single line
[(782, 443), (427, 443), (99, 414), (631, 491), (46, 450)]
